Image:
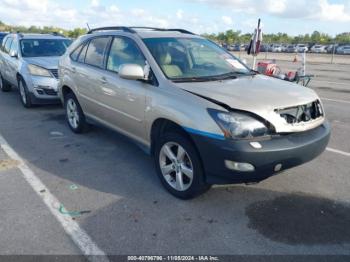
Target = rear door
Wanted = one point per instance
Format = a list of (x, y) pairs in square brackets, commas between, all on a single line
[(87, 72)]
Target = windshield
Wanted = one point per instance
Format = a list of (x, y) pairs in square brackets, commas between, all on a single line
[(188, 59), (44, 47)]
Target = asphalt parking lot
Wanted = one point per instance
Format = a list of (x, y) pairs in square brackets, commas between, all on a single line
[(305, 210)]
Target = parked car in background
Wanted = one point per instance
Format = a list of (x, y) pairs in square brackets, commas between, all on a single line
[(318, 49), (234, 47), (292, 49), (264, 48), (332, 48), (284, 47), (160, 87), (2, 36), (344, 50), (301, 48), (277, 48), (30, 62)]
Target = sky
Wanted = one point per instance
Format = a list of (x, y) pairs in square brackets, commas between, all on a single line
[(200, 16)]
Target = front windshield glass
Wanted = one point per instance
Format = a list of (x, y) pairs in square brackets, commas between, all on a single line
[(190, 59), (44, 47)]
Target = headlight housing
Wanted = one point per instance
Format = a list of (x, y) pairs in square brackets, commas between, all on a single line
[(237, 125), (38, 71)]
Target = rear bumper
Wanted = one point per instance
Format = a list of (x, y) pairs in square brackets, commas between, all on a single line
[(286, 150)]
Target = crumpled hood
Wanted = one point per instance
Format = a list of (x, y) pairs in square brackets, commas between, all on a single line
[(258, 94), (50, 62)]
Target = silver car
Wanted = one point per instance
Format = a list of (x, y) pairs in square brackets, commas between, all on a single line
[(29, 62), (198, 110)]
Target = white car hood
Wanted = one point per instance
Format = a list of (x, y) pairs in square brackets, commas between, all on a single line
[(49, 62), (260, 95)]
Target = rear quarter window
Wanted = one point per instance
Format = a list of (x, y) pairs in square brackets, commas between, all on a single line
[(75, 54)]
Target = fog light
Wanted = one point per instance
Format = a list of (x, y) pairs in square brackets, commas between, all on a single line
[(39, 91), (237, 166), (256, 145)]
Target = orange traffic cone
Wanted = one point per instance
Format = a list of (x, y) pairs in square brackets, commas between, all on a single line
[(295, 59)]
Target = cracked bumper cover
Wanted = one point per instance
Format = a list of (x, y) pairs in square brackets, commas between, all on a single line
[(288, 150)]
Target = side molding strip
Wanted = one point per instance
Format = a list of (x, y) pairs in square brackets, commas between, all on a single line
[(203, 133)]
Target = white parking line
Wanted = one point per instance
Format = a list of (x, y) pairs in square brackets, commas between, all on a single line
[(338, 151), (335, 100), (77, 234)]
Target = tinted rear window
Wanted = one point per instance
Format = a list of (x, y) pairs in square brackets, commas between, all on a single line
[(82, 54), (74, 55)]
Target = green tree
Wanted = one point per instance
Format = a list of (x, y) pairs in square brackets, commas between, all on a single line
[(77, 32), (343, 38)]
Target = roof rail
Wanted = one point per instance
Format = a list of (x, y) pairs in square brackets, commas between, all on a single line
[(122, 28), (163, 29)]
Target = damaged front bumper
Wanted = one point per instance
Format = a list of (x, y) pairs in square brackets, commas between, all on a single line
[(268, 157)]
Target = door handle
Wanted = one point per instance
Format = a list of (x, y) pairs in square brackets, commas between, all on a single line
[(74, 70), (103, 80)]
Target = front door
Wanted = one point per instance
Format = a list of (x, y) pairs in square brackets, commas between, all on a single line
[(124, 100)]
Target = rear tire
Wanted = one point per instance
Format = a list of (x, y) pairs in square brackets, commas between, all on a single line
[(4, 87), (74, 114), (24, 94), (179, 167)]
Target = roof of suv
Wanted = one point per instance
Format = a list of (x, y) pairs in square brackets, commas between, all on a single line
[(144, 32)]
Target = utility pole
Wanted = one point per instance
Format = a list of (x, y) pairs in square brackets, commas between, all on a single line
[(333, 52)]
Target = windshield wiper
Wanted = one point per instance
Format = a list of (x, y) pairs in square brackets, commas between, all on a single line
[(230, 75), (195, 79)]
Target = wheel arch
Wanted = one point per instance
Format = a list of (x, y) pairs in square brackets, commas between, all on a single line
[(163, 125), (66, 90)]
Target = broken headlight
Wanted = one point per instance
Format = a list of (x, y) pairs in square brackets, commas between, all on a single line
[(239, 125)]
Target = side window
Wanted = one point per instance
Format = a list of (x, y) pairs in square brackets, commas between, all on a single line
[(81, 58), (96, 51), (124, 51), (14, 46), (8, 45), (74, 55)]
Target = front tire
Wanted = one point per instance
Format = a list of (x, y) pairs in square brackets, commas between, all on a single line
[(179, 167), (24, 94), (75, 116), (4, 87)]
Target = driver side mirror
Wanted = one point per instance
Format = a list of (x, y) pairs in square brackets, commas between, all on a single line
[(132, 72), (13, 54)]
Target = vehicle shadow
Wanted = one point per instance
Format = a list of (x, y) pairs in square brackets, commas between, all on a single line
[(233, 220)]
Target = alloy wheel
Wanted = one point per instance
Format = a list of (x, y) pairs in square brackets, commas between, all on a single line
[(176, 166), (72, 113), (22, 92)]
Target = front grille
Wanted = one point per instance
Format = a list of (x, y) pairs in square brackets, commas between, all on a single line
[(50, 92), (301, 113), (54, 72)]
